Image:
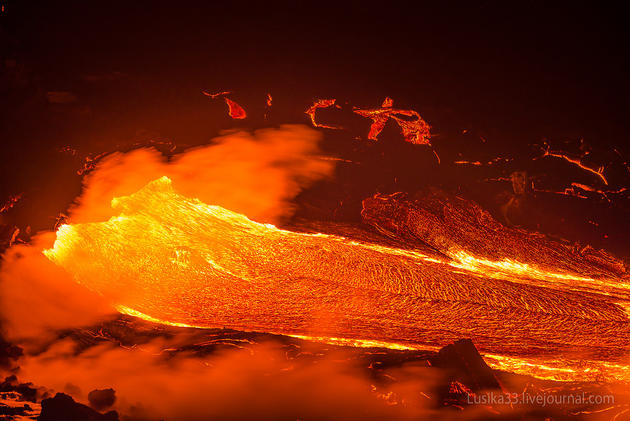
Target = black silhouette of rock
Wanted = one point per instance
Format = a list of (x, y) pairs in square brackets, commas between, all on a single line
[(63, 408), (466, 374), (13, 411), (25, 390), (463, 363)]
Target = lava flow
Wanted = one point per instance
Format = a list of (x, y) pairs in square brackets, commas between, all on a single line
[(173, 259)]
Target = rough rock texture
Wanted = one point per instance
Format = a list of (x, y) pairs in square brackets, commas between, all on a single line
[(464, 364), (451, 224), (466, 374)]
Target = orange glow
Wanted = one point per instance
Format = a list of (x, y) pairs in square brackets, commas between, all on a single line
[(268, 104), (10, 203), (582, 191), (216, 95), (321, 103), (361, 343), (465, 232), (475, 163), (90, 162), (176, 260), (234, 110), (577, 162), (414, 129)]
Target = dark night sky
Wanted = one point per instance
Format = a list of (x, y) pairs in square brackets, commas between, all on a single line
[(560, 66), (514, 73)]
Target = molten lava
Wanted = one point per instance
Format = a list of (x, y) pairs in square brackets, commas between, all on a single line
[(176, 260), (321, 103), (234, 110), (414, 129), (599, 172)]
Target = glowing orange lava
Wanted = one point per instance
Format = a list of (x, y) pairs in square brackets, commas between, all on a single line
[(414, 129), (599, 172), (321, 103), (216, 95), (172, 259), (234, 110)]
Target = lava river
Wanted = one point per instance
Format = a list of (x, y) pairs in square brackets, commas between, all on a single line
[(176, 260)]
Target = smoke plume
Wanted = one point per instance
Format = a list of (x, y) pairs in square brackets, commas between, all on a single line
[(256, 174), (252, 173)]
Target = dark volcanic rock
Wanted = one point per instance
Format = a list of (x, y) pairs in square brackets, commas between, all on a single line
[(464, 364), (26, 390), (63, 408), (12, 411), (101, 399)]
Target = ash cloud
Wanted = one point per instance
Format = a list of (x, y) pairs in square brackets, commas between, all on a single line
[(253, 173), (38, 298), (253, 383), (256, 174)]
